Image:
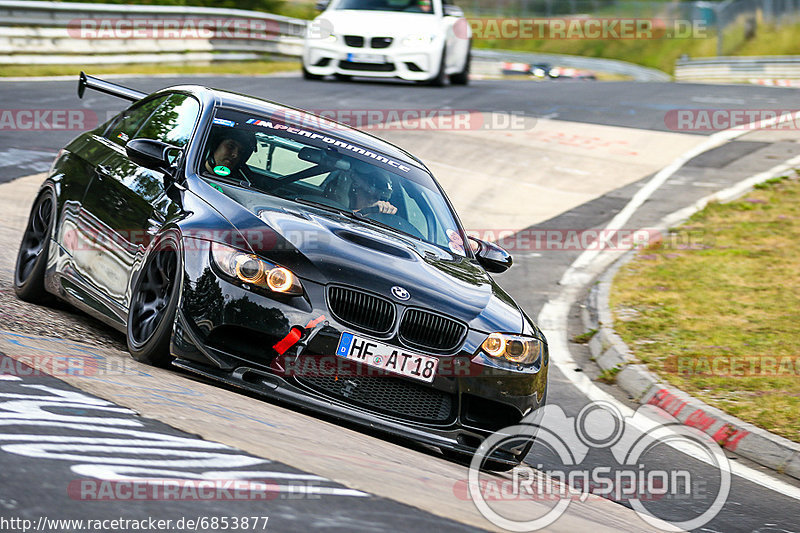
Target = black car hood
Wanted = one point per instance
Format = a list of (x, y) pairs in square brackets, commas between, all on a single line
[(330, 248)]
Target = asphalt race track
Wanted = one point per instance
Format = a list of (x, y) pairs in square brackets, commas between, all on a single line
[(588, 146)]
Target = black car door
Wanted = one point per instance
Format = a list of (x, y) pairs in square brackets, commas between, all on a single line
[(128, 204), (85, 237)]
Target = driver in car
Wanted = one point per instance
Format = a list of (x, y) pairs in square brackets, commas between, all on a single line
[(229, 149), (371, 190)]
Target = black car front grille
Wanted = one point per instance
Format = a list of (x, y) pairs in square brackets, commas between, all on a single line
[(391, 396), (373, 67), (381, 42), (361, 310), (356, 41), (423, 329)]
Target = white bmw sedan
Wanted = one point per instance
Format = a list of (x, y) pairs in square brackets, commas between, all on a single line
[(415, 40)]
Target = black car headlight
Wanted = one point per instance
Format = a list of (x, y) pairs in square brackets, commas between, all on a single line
[(520, 349), (252, 270)]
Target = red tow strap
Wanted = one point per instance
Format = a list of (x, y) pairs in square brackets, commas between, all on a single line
[(294, 335), (288, 341)]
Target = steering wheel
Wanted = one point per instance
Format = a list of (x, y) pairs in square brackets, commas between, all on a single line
[(394, 221)]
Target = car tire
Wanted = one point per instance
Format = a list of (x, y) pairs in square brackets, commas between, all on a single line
[(462, 78), (440, 80), (32, 256), (308, 76), (154, 301)]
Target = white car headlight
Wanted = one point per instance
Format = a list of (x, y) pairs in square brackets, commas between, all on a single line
[(419, 39), (515, 348), (252, 270)]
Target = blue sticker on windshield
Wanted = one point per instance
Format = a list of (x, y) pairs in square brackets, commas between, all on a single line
[(223, 122)]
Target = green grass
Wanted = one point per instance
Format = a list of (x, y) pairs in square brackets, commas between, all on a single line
[(298, 10), (661, 53), (731, 297), (771, 41), (585, 337), (220, 67), (656, 53), (609, 375)]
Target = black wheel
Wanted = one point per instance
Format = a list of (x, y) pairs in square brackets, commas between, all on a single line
[(32, 257), (462, 78), (343, 77), (308, 76), (440, 80), (153, 303)]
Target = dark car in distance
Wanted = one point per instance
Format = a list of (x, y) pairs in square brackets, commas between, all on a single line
[(294, 257)]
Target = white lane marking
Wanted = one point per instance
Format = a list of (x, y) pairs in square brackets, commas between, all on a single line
[(568, 170), (573, 275), (17, 156), (730, 193), (553, 316), (717, 100), (30, 160), (9, 377), (106, 458)]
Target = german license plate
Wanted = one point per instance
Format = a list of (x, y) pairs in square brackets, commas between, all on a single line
[(387, 358), (366, 58)]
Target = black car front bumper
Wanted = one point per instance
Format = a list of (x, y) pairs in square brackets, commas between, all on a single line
[(235, 335)]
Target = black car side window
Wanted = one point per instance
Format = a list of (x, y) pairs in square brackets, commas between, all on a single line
[(130, 120), (173, 122)]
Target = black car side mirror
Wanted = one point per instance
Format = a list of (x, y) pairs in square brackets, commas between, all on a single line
[(321, 5), (491, 257), (152, 154)]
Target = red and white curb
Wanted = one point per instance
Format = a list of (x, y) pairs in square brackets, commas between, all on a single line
[(610, 352), (776, 83), (553, 318)]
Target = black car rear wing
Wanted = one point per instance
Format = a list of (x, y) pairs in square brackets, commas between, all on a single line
[(107, 87)]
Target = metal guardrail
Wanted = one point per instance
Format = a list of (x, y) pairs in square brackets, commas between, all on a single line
[(34, 32), (743, 68), (59, 14)]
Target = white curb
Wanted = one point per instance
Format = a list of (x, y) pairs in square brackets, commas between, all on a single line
[(610, 352)]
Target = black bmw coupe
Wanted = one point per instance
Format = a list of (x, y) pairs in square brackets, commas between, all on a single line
[(294, 257)]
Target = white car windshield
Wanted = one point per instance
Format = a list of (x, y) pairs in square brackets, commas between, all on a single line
[(327, 172), (406, 6)]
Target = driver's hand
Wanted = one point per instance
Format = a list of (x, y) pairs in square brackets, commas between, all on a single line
[(385, 207)]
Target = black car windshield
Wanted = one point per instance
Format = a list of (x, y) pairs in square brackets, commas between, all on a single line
[(406, 6), (312, 168)]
